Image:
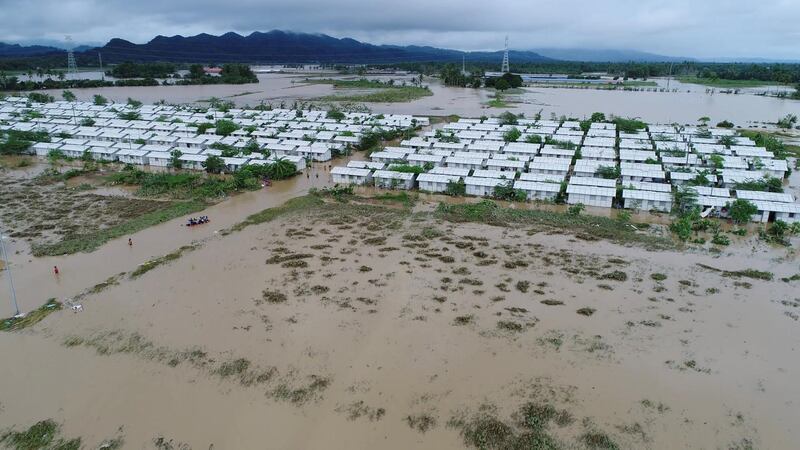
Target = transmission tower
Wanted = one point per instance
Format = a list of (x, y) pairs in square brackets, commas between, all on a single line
[(72, 67), (504, 68)]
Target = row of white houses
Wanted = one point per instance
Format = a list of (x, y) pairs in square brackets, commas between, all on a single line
[(599, 167)]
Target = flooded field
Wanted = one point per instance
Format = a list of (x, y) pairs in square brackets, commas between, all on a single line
[(392, 325), (685, 106)]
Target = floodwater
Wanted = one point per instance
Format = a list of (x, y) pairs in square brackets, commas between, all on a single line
[(715, 355), (684, 106), (36, 282)]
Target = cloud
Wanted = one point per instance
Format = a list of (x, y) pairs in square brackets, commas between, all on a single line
[(679, 27)]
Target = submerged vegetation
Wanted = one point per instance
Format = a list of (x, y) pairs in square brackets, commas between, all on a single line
[(31, 318), (491, 213)]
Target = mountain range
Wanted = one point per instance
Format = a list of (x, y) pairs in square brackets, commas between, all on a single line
[(286, 47), (289, 47)]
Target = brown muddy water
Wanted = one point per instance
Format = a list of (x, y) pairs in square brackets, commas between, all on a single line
[(337, 326), (685, 106)]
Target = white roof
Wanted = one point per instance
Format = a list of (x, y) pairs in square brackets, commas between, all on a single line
[(491, 182), (711, 191), (340, 170), (449, 171), (542, 177), (635, 194), (765, 196), (436, 178), (590, 181), (391, 174), (478, 173), (537, 186), (591, 190), (647, 186)]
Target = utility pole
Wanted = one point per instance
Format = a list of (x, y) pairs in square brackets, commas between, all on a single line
[(504, 68), (72, 67), (669, 76), (8, 270), (100, 59)]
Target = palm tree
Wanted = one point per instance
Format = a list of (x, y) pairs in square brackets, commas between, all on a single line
[(281, 169)]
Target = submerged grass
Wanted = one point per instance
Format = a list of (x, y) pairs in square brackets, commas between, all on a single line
[(42, 435), (161, 260), (296, 204), (32, 318), (394, 95), (491, 213), (91, 241), (746, 273)]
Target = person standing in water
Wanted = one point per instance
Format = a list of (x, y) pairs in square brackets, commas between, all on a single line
[(130, 242), (55, 270)]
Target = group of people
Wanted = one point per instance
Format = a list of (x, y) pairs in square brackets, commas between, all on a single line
[(200, 221)]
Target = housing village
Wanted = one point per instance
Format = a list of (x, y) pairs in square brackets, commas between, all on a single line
[(601, 166), (148, 134)]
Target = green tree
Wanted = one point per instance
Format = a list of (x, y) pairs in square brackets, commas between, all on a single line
[(68, 96), (225, 127), (174, 159), (99, 100), (213, 164), (787, 121), (717, 161), (598, 117), (502, 85), (508, 118), (335, 114), (134, 103), (741, 210), (281, 169), (512, 135)]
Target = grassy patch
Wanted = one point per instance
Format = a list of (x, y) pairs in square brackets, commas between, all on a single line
[(393, 95), (161, 260), (421, 422), (491, 213), (296, 204), (744, 273), (32, 318), (586, 311), (91, 241), (718, 83), (42, 435)]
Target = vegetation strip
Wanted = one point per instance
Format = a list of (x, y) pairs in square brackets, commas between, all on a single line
[(32, 318), (747, 273), (91, 241)]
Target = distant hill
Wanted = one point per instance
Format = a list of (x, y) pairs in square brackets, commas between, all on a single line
[(16, 50), (286, 47), (606, 55)]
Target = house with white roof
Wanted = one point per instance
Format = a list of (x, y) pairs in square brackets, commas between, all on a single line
[(590, 195), (483, 187), (431, 182), (538, 190), (389, 179), (349, 175)]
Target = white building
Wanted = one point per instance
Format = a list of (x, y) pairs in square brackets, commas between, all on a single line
[(348, 175), (431, 182), (590, 195), (389, 179), (483, 187), (538, 190)]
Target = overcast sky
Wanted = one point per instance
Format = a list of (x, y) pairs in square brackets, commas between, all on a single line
[(693, 28)]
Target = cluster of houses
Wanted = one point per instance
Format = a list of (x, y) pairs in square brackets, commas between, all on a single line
[(79, 128), (599, 166)]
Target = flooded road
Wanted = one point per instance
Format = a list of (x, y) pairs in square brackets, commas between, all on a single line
[(657, 107)]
